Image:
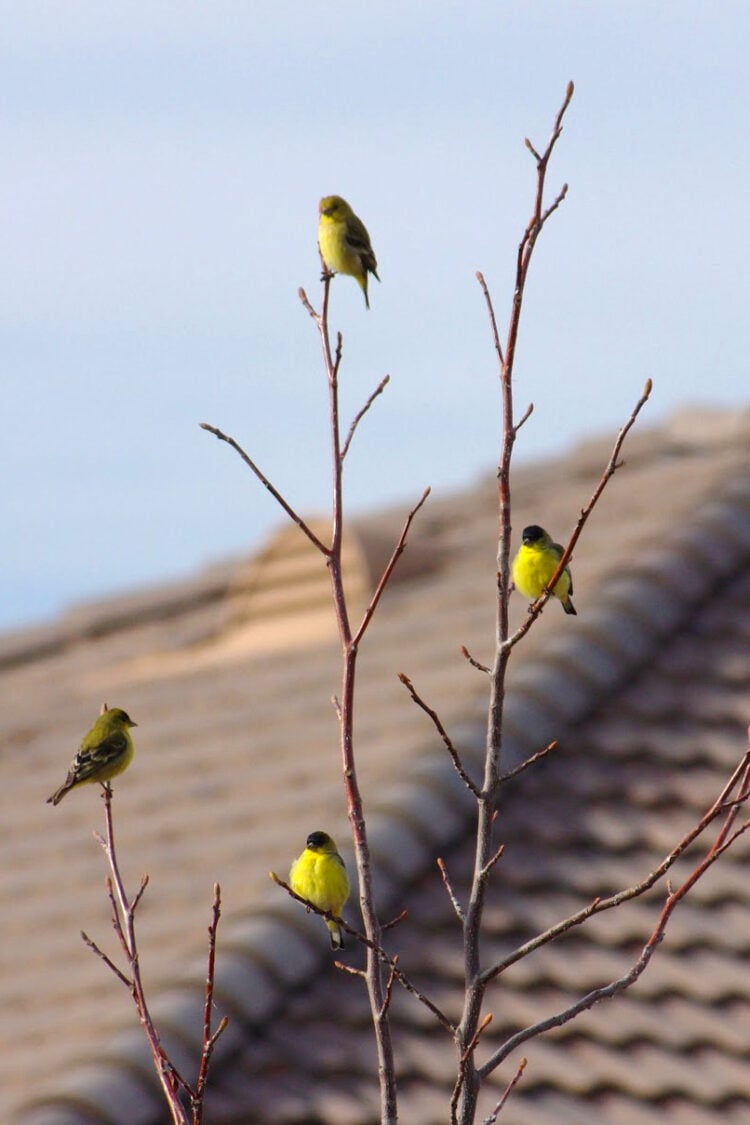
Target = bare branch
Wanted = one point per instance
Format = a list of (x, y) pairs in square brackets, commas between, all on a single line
[(378, 950), (493, 319), (107, 960), (553, 207), (394, 921), (454, 901), (527, 414), (398, 550), (351, 970), (123, 920), (474, 663), (389, 986), (610, 469), (209, 1038), (441, 731), (492, 1119), (530, 761), (464, 1062), (491, 862), (621, 983), (293, 516), (358, 417), (303, 298), (139, 894), (477, 1035), (740, 774)]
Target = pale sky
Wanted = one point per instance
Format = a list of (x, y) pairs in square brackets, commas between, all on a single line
[(162, 165)]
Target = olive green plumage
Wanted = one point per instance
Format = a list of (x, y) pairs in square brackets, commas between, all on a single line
[(344, 242), (104, 753)]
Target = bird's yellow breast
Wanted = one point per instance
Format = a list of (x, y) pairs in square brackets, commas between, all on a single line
[(321, 877), (532, 569), (337, 254)]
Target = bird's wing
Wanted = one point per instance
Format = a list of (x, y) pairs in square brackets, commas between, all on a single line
[(94, 758), (560, 551), (358, 239)]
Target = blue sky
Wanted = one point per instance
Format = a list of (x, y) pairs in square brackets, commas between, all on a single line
[(158, 211)]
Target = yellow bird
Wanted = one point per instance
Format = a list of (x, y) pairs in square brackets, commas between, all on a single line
[(319, 875), (105, 751), (536, 562), (344, 242)]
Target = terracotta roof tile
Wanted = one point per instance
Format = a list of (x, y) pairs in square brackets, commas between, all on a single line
[(647, 691)]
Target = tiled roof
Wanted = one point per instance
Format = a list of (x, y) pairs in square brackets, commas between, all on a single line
[(648, 691)]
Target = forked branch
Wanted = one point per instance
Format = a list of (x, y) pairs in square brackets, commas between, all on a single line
[(724, 839), (123, 921)]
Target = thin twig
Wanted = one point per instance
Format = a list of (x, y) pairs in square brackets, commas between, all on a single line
[(378, 950), (741, 774), (123, 917), (446, 881), (209, 1038), (465, 1061), (293, 516), (123, 921), (525, 417), (498, 854), (107, 960), (351, 970), (463, 1101), (477, 1035), (553, 207), (394, 921), (621, 983), (530, 761), (492, 1119), (349, 649), (613, 464), (416, 698), (360, 415), (304, 299), (474, 663), (385, 576), (389, 986), (493, 319)]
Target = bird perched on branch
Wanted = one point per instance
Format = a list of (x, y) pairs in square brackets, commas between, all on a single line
[(105, 752), (535, 563), (319, 875), (344, 242)]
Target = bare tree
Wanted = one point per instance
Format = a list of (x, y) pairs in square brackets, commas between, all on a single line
[(383, 970)]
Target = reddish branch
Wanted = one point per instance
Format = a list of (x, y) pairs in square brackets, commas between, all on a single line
[(468, 1032), (723, 803), (392, 962), (378, 987), (463, 1105), (304, 527), (610, 469), (433, 715), (197, 1096), (724, 839), (506, 1093), (123, 921)]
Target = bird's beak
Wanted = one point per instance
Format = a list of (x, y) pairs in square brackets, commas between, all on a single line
[(133, 724)]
